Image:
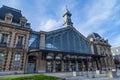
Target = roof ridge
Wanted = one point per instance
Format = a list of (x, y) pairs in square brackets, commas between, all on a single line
[(12, 8)]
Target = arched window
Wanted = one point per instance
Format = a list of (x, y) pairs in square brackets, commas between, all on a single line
[(1, 60)]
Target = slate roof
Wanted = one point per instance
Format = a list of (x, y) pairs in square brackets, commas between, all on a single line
[(15, 12), (94, 35), (66, 28)]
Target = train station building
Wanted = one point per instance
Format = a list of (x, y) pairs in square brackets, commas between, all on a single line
[(23, 50)]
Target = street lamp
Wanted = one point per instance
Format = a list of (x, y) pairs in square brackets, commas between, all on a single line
[(87, 67), (93, 75)]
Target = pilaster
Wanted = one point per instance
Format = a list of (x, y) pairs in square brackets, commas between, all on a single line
[(76, 65), (12, 39), (62, 66), (42, 41), (8, 61), (54, 66)]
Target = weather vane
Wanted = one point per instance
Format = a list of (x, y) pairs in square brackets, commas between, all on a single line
[(66, 7)]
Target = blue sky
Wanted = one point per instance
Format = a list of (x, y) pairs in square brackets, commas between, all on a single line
[(100, 16)]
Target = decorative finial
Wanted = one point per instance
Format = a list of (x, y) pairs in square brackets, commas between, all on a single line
[(66, 7)]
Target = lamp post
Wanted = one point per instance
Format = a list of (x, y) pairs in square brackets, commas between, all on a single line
[(93, 75), (82, 69), (87, 67)]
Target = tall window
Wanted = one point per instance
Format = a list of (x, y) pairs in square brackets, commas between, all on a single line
[(1, 60), (20, 40), (16, 61), (4, 38)]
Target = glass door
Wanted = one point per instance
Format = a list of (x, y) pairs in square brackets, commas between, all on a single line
[(49, 66)]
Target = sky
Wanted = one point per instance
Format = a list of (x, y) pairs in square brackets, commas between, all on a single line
[(100, 16)]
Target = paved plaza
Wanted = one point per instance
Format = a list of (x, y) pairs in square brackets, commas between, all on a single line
[(69, 76), (85, 76)]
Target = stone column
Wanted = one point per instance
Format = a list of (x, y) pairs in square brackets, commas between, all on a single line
[(105, 63), (26, 63), (0, 37), (92, 48), (101, 63), (98, 64), (42, 66), (37, 62), (9, 60), (98, 49), (27, 38), (54, 66), (108, 64), (62, 66), (112, 62), (41, 63), (12, 39), (42, 41)]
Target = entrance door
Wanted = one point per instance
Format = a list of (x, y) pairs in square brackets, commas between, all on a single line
[(73, 66), (58, 66), (66, 66), (31, 66), (79, 66)]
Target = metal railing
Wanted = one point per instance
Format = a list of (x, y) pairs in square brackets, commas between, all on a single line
[(3, 44)]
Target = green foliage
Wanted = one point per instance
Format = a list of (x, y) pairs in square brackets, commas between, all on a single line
[(35, 77), (117, 62)]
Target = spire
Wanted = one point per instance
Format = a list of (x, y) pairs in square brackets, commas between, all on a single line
[(67, 18)]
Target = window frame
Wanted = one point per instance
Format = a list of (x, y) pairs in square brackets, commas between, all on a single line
[(3, 37), (1, 60), (17, 58)]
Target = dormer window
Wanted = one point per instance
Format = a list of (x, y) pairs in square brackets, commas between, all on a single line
[(8, 18), (28, 25), (23, 21), (22, 24)]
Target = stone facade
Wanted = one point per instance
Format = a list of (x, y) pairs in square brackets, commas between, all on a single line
[(100, 46), (9, 45), (11, 48)]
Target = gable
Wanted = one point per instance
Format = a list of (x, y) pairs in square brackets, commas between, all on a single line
[(67, 40)]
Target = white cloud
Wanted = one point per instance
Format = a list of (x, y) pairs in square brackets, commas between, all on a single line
[(117, 23), (98, 12), (12, 3), (51, 24), (115, 41)]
